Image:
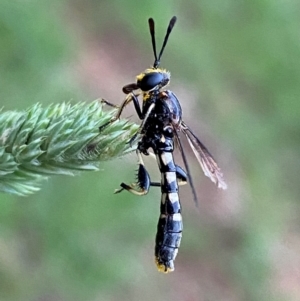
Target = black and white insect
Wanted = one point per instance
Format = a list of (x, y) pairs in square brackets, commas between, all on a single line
[(161, 117)]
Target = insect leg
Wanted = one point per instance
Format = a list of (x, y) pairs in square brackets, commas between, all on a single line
[(181, 176), (145, 117), (141, 187), (137, 106), (130, 97), (109, 103)]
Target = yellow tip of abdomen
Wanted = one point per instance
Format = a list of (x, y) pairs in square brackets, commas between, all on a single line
[(163, 267)]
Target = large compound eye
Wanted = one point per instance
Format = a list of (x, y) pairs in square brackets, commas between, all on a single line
[(150, 81)]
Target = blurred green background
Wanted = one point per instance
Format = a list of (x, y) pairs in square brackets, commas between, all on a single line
[(235, 67)]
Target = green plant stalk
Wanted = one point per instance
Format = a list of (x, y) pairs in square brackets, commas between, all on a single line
[(59, 139)]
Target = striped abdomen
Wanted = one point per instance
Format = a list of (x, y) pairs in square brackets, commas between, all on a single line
[(169, 228)]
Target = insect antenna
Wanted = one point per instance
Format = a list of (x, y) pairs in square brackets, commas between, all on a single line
[(152, 32)]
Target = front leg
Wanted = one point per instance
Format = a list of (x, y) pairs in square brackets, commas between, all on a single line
[(146, 115), (130, 97)]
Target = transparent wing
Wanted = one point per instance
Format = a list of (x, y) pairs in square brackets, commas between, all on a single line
[(205, 159), (186, 166)]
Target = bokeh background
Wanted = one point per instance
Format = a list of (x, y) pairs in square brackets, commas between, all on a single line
[(235, 67)]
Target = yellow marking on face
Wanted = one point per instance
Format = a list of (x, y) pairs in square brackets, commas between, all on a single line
[(140, 76), (146, 96), (151, 70)]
